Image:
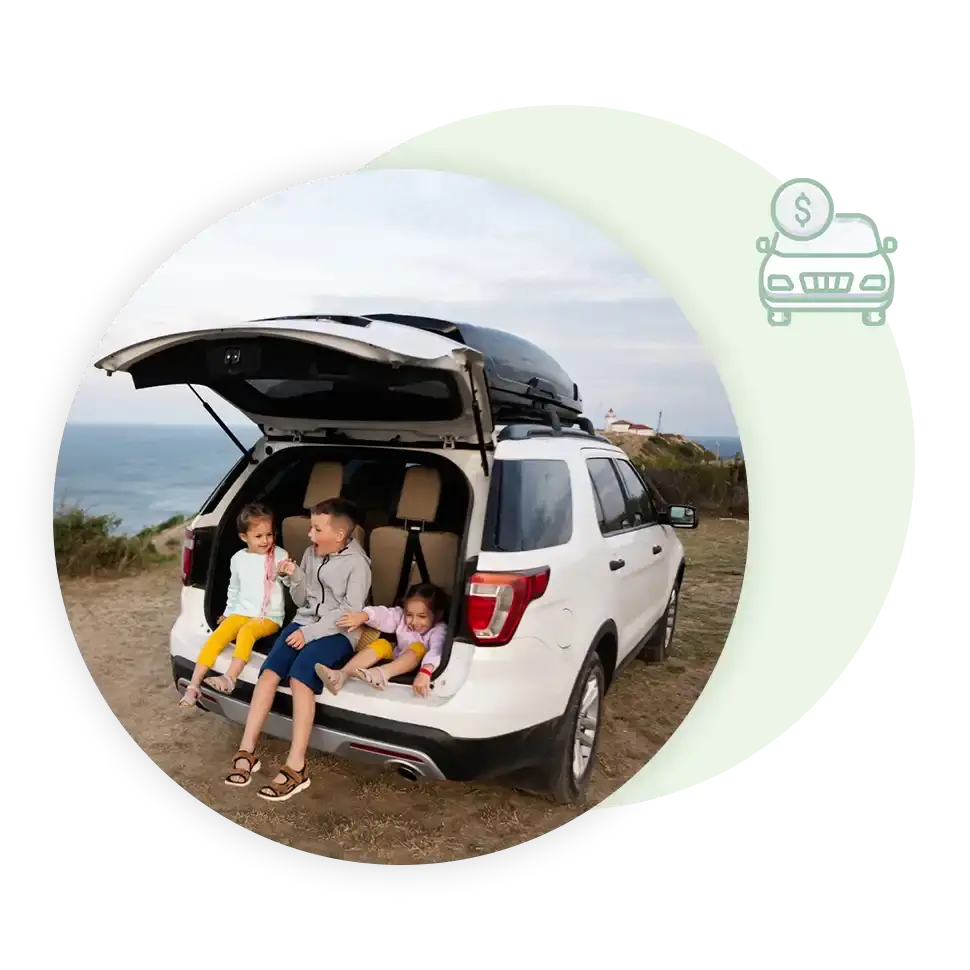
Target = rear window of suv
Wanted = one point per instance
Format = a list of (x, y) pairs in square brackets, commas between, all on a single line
[(530, 506)]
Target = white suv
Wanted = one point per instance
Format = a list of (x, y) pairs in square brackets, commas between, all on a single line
[(466, 452)]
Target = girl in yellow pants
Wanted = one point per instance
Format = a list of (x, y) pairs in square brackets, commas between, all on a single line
[(245, 630), (254, 604)]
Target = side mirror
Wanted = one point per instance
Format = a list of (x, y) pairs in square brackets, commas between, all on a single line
[(681, 516), (891, 242), (764, 244)]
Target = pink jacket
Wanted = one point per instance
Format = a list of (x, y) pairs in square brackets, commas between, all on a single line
[(390, 619)]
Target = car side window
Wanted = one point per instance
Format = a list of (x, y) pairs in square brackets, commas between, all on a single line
[(639, 504), (530, 506), (611, 509)]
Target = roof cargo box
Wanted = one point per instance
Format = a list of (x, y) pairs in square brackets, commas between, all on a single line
[(524, 382)]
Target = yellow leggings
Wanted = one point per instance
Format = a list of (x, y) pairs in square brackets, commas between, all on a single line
[(245, 630)]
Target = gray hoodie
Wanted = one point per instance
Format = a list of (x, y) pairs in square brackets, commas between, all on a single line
[(323, 588)]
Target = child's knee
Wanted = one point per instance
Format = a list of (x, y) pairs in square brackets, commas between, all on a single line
[(269, 675), (380, 649)]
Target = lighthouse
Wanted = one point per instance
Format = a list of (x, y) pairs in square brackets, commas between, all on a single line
[(610, 418)]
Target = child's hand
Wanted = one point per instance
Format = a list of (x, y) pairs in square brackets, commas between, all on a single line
[(296, 640), (220, 621), (350, 621), (422, 683), (286, 568)]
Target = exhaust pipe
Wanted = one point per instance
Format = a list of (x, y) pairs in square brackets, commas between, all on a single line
[(406, 771)]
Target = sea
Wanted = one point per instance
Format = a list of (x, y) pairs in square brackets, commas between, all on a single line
[(145, 474), (725, 446)]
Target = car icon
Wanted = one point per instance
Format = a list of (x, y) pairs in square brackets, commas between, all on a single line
[(846, 268)]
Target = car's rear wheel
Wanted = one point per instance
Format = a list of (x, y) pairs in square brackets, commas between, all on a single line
[(657, 648), (578, 741)]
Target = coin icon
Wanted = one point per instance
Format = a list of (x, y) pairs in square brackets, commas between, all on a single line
[(802, 209)]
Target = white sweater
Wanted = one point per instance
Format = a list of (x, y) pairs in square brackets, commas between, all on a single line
[(246, 578)]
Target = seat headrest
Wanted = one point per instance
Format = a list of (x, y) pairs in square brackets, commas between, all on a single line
[(420, 494), (326, 481)]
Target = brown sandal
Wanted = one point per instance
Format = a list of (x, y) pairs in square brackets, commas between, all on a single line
[(295, 782), (244, 774)]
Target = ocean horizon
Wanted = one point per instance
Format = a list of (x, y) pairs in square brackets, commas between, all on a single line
[(145, 474)]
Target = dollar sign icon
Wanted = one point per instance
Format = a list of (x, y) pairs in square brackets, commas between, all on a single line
[(801, 209)]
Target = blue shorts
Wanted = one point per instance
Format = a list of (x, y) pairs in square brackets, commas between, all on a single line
[(289, 664)]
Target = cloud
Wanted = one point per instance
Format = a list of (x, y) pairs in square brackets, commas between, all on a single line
[(435, 244)]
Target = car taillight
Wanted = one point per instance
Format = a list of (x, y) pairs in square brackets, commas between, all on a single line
[(495, 602), (188, 547)]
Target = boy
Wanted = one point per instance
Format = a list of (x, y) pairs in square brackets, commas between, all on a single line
[(333, 579)]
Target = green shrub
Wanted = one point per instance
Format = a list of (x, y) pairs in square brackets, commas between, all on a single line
[(687, 474), (714, 488), (154, 530), (85, 545)]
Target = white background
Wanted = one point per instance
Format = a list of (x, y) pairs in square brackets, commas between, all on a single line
[(129, 128)]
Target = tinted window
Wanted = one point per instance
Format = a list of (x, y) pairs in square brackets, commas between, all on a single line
[(638, 498), (611, 507), (530, 506), (292, 379)]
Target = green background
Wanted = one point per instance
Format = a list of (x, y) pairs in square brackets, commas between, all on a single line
[(822, 406)]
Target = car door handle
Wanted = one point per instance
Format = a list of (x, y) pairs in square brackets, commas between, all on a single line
[(616, 564), (657, 550)]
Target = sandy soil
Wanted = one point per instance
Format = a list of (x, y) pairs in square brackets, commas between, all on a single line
[(360, 812)]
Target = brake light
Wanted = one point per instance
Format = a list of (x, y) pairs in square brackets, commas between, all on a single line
[(495, 602), (188, 548)]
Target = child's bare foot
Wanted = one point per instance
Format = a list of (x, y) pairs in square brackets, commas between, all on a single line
[(333, 680)]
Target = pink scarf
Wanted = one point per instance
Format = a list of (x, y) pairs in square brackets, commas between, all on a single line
[(269, 579)]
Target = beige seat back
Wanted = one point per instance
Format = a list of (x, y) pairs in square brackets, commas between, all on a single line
[(326, 481), (417, 508)]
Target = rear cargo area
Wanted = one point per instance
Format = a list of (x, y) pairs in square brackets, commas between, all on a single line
[(397, 491)]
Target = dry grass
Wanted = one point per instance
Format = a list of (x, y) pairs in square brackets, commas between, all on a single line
[(87, 545), (360, 812)]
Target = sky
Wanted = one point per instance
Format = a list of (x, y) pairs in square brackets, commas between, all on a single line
[(430, 243)]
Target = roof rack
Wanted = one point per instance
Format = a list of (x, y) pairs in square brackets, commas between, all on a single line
[(519, 432), (549, 424)]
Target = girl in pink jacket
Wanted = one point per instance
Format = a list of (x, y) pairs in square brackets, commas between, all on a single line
[(419, 630)]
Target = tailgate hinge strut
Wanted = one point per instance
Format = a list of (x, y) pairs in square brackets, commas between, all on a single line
[(248, 452), (477, 412)]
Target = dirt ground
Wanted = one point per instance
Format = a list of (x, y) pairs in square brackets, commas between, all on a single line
[(361, 812)]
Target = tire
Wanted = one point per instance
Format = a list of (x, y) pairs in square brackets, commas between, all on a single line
[(571, 774), (657, 648)]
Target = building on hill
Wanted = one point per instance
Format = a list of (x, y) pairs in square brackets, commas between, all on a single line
[(621, 426)]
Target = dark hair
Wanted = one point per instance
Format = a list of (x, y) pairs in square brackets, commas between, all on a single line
[(434, 596), (251, 513), (341, 509)]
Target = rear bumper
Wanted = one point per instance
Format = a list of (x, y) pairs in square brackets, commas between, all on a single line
[(423, 751)]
